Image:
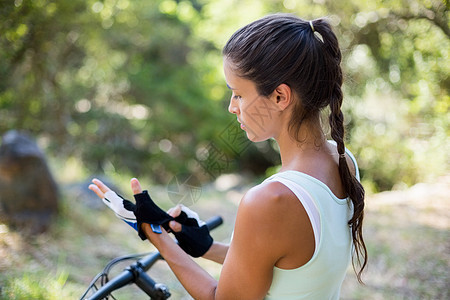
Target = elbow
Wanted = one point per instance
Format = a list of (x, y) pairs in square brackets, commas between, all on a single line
[(213, 292)]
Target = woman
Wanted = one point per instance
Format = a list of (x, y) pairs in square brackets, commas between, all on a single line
[(295, 232)]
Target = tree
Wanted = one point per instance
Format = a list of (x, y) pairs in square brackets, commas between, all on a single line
[(137, 86)]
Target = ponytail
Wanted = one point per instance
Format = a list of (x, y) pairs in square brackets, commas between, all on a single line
[(352, 186)]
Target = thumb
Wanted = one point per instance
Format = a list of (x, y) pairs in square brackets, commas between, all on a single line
[(174, 211), (135, 186), (175, 226)]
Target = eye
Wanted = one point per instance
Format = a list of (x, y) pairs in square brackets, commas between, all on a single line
[(237, 97)]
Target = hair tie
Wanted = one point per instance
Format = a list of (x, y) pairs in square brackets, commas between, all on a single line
[(316, 33), (342, 155), (312, 27)]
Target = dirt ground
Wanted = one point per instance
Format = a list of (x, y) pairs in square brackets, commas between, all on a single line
[(408, 239)]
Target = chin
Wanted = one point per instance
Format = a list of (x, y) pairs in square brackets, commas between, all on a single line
[(256, 138)]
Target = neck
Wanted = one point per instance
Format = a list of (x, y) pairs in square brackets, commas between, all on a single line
[(294, 152)]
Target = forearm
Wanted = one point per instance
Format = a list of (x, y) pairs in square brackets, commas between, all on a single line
[(198, 283), (217, 252)]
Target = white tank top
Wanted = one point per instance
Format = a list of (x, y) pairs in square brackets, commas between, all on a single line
[(321, 277)]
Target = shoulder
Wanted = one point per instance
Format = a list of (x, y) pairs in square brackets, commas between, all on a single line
[(271, 212), (266, 197), (262, 213), (266, 208), (257, 244), (267, 190)]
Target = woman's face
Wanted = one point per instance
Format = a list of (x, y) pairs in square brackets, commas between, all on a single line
[(254, 112)]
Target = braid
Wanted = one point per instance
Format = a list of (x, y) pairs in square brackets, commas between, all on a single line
[(353, 187)]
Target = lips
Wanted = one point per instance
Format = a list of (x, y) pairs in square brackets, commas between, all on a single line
[(242, 125)]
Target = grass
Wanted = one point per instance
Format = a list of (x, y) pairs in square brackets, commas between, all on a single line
[(407, 235)]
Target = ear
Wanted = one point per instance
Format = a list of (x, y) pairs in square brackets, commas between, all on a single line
[(282, 96)]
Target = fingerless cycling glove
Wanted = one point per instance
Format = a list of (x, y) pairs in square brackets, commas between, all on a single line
[(146, 211), (194, 239), (115, 203)]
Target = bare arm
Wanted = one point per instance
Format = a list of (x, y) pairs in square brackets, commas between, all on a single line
[(217, 252), (196, 280), (248, 264)]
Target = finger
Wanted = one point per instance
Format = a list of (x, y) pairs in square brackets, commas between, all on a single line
[(96, 190), (100, 185), (175, 226), (135, 186), (174, 211)]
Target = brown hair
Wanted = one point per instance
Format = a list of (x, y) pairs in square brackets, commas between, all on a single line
[(283, 48)]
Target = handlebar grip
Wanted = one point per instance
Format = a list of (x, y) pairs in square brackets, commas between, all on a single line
[(155, 290), (214, 222)]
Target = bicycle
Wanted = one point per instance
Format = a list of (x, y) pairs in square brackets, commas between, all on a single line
[(135, 273)]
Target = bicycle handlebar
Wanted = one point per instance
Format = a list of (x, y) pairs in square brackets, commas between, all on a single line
[(136, 273), (214, 222)]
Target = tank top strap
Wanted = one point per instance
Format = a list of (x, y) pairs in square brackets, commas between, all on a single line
[(352, 157)]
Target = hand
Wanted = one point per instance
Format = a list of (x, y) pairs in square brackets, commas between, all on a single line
[(191, 232), (146, 211), (114, 202), (183, 216)]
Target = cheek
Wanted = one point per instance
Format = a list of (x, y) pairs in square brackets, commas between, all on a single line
[(259, 116)]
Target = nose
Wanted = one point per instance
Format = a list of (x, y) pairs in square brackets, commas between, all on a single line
[(232, 107)]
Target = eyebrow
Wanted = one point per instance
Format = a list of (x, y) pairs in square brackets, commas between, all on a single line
[(229, 87)]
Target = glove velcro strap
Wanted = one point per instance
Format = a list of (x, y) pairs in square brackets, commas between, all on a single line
[(184, 219), (195, 241)]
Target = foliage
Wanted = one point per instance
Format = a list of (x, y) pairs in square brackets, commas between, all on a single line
[(35, 286), (136, 87)]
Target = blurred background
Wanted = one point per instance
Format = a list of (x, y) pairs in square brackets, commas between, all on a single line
[(120, 89)]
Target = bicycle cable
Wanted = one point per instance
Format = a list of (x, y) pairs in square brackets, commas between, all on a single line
[(103, 276)]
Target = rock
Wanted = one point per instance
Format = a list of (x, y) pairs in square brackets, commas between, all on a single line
[(28, 192)]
